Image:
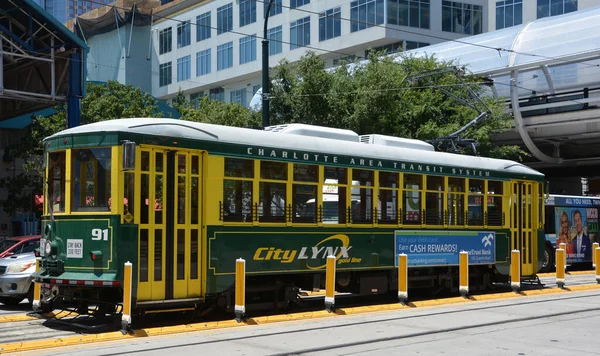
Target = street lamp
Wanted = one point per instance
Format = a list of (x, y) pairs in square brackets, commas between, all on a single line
[(265, 71)]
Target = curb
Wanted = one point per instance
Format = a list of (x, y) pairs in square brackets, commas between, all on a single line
[(169, 330)]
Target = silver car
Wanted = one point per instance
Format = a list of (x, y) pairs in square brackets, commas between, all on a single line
[(16, 276)]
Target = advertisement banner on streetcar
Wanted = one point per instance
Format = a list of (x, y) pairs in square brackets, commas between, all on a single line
[(442, 248), (578, 229)]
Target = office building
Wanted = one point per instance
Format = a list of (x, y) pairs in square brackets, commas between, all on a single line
[(214, 47)]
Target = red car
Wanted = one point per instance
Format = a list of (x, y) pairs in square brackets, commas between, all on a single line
[(19, 244)]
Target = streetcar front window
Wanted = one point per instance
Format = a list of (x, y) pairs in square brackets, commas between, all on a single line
[(91, 170), (55, 199)]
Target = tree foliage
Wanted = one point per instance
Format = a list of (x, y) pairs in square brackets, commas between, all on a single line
[(384, 96), (102, 102)]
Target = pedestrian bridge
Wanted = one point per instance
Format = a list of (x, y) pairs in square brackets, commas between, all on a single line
[(548, 71)]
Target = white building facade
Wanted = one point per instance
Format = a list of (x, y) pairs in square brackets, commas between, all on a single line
[(214, 47)]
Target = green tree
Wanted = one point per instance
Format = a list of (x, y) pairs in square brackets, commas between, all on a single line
[(219, 113), (415, 97), (102, 102)]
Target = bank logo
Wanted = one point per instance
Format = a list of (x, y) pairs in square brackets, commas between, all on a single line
[(487, 240)]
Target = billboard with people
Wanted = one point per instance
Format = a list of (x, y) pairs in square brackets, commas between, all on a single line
[(574, 222)]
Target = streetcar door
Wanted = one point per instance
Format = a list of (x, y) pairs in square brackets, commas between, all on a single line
[(523, 225), (185, 252), (169, 224), (151, 219)]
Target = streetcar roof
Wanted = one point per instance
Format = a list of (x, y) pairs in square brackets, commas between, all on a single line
[(182, 129)]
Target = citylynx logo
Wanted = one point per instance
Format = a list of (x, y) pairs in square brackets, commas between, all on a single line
[(309, 253)]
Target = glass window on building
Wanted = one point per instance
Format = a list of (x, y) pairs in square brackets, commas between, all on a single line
[(184, 68), (247, 49), (413, 13), (165, 74), (195, 99), (247, 12), (297, 3), (365, 14), (349, 58), (184, 34), (203, 62), (238, 96), (225, 56), (225, 18), (509, 13), (546, 8), (461, 18), (275, 39), (276, 7), (330, 24), (300, 33), (203, 27), (165, 40), (217, 94)]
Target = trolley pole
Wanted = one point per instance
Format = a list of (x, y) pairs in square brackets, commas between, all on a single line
[(402, 278), (330, 284), (127, 283), (35, 305), (515, 270), (240, 289), (464, 274)]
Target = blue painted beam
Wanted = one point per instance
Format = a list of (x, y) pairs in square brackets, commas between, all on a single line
[(16, 38), (75, 91)]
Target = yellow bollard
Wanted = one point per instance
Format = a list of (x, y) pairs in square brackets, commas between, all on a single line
[(330, 284), (595, 245), (464, 273), (127, 284), (515, 270), (564, 247), (560, 268), (35, 305), (597, 254), (240, 289), (402, 278)]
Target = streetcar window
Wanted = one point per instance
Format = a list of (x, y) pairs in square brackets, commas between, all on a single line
[(476, 200), (456, 201), (56, 181), (303, 200), (388, 198), (412, 198), (236, 167), (91, 172), (334, 195), (434, 200), (304, 193), (237, 191), (362, 196), (271, 206), (494, 203)]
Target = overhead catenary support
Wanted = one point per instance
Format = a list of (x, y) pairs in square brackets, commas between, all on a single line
[(520, 125), (548, 79), (265, 70)]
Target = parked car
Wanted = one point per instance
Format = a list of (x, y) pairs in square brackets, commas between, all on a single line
[(16, 278), (19, 244)]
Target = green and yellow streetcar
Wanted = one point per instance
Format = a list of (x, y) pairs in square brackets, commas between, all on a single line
[(182, 201)]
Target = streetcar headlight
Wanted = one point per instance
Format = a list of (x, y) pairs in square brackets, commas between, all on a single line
[(48, 248)]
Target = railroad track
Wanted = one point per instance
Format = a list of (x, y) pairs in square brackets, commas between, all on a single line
[(17, 326)]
